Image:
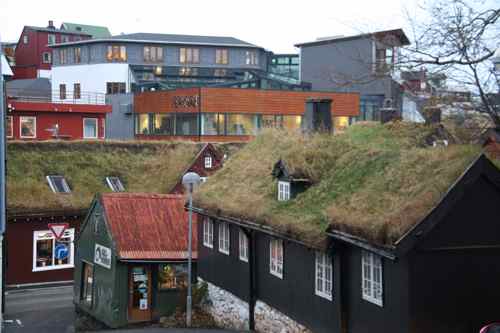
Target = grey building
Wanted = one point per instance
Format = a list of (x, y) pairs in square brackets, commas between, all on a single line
[(363, 63), (120, 122)]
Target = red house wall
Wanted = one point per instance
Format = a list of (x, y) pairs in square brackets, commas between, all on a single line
[(19, 248)]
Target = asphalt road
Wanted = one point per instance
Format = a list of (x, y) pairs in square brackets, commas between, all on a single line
[(44, 310)]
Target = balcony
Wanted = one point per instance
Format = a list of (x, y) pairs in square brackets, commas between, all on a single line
[(56, 97)]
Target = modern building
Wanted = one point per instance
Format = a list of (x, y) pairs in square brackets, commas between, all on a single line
[(33, 55), (33, 120), (56, 181), (362, 63), (287, 65), (230, 114), (361, 232), (95, 31), (134, 246)]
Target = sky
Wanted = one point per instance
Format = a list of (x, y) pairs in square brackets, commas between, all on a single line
[(275, 25)]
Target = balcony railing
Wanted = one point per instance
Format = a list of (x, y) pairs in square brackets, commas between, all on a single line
[(39, 96)]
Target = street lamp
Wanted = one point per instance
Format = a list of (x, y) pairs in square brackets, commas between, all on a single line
[(190, 180)]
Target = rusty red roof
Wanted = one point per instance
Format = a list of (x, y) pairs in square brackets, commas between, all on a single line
[(149, 226)]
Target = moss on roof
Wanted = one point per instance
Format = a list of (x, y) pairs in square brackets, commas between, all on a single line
[(152, 167), (373, 181)]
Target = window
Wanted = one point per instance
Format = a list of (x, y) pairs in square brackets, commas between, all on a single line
[(142, 123), (208, 162), (324, 275), (58, 184), (153, 54), (115, 184), (25, 39), (208, 233), (64, 39), (224, 238), (252, 58), (172, 276), (63, 56), (44, 250), (28, 127), (384, 59), (276, 258), (9, 127), (46, 57), (186, 124), (188, 71), (340, 123), (243, 240), (77, 51), (51, 39), (87, 289), (77, 93), (283, 191), (371, 266), (62, 91), (221, 57), (189, 56), (115, 88), (90, 128), (242, 124), (116, 53), (164, 124), (220, 72), (212, 124)]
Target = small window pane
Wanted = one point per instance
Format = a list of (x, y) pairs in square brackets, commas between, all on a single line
[(90, 128), (115, 184), (28, 127), (58, 184), (172, 276)]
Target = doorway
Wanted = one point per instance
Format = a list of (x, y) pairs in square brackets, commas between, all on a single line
[(139, 300)]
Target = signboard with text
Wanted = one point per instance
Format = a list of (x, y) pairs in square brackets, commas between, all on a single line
[(102, 256)]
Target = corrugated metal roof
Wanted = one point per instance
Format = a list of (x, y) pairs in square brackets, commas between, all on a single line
[(149, 226)]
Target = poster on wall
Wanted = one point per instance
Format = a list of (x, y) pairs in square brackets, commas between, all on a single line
[(102, 256), (143, 304)]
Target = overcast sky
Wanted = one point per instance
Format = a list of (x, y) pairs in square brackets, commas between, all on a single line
[(273, 24)]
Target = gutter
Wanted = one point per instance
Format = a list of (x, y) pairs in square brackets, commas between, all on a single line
[(362, 243)]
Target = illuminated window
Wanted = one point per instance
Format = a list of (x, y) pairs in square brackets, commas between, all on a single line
[(292, 122), (77, 51), (208, 233), (142, 123), (188, 71), (9, 126), (221, 57), (189, 55), (164, 124), (153, 54), (58, 184), (115, 184), (44, 250), (116, 53), (243, 240), (340, 123), (242, 124), (27, 127), (371, 267), (172, 276), (324, 275), (251, 58), (224, 238), (276, 257)]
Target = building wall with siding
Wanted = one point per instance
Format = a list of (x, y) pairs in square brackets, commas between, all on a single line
[(120, 122)]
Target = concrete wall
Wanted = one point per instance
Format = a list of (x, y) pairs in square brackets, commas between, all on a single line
[(119, 123)]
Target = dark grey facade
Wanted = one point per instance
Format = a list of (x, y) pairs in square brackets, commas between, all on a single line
[(120, 122)]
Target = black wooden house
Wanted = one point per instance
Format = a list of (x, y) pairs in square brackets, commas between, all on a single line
[(375, 242)]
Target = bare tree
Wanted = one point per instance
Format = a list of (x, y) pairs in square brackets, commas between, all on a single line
[(459, 38)]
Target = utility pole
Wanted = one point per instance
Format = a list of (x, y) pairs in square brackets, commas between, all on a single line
[(2, 181)]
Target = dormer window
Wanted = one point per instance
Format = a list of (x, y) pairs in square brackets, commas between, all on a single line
[(115, 184), (58, 184), (283, 191), (208, 162)]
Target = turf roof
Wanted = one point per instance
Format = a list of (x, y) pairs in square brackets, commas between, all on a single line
[(152, 167), (373, 181)]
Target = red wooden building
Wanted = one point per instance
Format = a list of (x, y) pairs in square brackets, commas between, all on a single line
[(46, 121), (33, 53)]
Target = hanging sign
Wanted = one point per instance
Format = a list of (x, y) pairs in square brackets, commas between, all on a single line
[(102, 256)]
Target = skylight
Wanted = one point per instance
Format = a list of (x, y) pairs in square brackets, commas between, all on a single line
[(58, 184), (115, 184)]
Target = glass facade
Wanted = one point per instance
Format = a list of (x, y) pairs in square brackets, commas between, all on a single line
[(369, 108), (285, 64)]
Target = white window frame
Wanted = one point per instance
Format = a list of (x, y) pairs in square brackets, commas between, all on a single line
[(224, 237), (21, 128), (111, 185), (49, 57), (275, 264), (67, 189), (370, 264), (96, 128), (208, 233), (25, 39), (11, 126), (243, 248), (38, 234), (283, 191), (324, 275), (208, 162)]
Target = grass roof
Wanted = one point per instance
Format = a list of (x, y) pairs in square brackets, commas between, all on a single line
[(153, 167), (373, 181)]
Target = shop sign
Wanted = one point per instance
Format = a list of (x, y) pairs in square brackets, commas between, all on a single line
[(102, 256), (186, 101)]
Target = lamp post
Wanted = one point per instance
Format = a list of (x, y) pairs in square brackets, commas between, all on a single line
[(190, 180)]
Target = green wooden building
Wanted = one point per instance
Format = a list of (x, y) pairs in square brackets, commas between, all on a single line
[(131, 257)]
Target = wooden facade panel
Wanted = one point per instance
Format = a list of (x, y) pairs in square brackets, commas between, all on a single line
[(164, 101)]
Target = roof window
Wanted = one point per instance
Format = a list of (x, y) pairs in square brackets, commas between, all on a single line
[(58, 184), (115, 184)]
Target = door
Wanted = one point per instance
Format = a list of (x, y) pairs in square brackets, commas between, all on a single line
[(139, 300)]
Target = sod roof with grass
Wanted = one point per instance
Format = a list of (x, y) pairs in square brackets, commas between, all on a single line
[(151, 167), (373, 181)]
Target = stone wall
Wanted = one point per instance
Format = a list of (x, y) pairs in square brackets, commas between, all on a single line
[(270, 320), (228, 310)]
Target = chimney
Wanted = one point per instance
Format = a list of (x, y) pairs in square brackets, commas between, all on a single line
[(432, 115), (51, 25), (318, 116)]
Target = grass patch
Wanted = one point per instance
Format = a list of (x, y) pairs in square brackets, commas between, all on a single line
[(374, 181)]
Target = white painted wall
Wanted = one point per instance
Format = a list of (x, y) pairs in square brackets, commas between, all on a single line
[(44, 73), (92, 79)]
